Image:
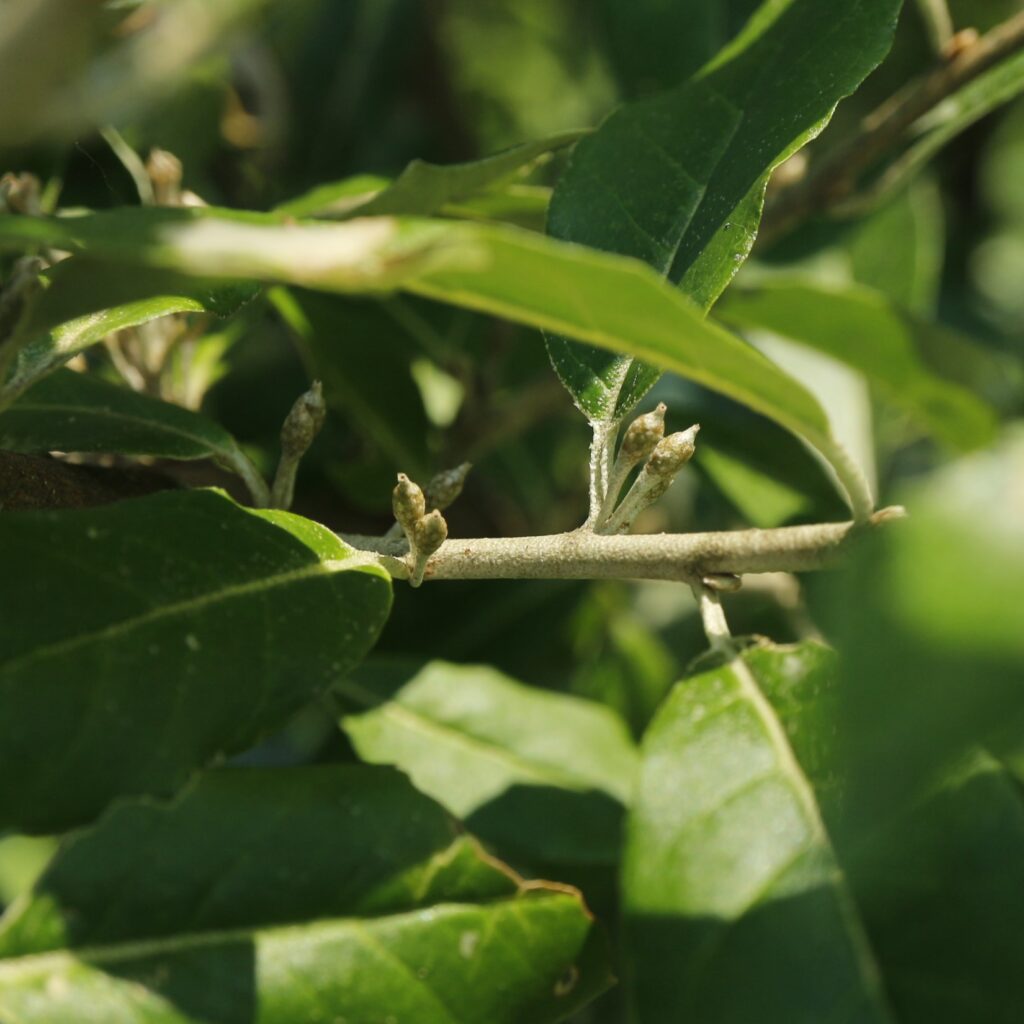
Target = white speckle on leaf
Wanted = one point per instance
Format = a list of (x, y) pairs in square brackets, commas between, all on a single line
[(92, 533), (192, 642), (468, 943)]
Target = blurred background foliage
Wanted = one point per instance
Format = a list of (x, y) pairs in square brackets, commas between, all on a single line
[(308, 91)]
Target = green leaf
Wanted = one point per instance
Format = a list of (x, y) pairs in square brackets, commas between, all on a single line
[(933, 662), (899, 249), (611, 301), (942, 893), (537, 773), (315, 893), (864, 330), (141, 640), (78, 412), (84, 301), (736, 908), (422, 188), (678, 180)]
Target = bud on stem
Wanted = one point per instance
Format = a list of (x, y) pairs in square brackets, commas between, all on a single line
[(446, 486), (408, 504), (300, 427), (669, 456), (638, 443), (428, 534)]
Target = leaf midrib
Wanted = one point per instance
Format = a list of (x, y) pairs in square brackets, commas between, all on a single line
[(326, 567), (11, 966), (418, 722), (215, 448), (789, 769)]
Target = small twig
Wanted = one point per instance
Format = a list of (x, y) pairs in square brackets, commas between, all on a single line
[(301, 426), (833, 179), (937, 23), (713, 616), (584, 555)]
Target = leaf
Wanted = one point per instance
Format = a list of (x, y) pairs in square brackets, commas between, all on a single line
[(678, 180), (422, 188), (933, 662), (899, 249), (862, 329), (608, 300), (141, 640), (322, 892), (942, 893), (84, 301), (543, 774), (729, 869), (78, 412)]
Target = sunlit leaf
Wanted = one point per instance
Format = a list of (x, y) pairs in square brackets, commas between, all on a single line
[(290, 895), (729, 867), (539, 773)]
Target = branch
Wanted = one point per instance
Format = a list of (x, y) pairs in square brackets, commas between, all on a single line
[(835, 177), (583, 555)]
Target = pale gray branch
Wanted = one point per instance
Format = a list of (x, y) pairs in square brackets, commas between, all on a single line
[(584, 555)]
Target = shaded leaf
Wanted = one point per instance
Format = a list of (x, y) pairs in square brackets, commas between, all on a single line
[(287, 895), (899, 249), (861, 328), (142, 639), (540, 773), (678, 180), (77, 412), (422, 188), (933, 663), (729, 869), (941, 889)]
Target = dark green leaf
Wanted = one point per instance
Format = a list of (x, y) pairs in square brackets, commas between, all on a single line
[(538, 773), (291, 895), (422, 188), (77, 412), (941, 889), (729, 871), (928, 619), (678, 180), (141, 640), (862, 329)]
